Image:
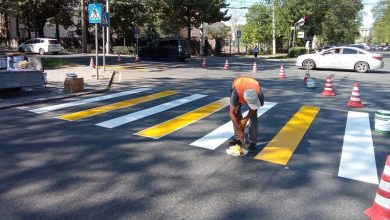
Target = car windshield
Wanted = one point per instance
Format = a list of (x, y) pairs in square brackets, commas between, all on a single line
[(54, 42)]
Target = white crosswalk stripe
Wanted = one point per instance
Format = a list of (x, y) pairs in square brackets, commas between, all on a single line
[(148, 112), (86, 101), (223, 133)]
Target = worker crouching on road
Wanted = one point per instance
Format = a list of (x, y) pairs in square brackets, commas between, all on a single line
[(245, 91)]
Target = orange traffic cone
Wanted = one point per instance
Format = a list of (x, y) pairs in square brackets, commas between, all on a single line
[(204, 63), (119, 60), (307, 76), (355, 101), (381, 207), (328, 90), (92, 63), (226, 67), (254, 70), (282, 74), (137, 59)]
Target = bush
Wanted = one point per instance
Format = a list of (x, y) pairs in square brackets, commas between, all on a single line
[(123, 50), (296, 51)]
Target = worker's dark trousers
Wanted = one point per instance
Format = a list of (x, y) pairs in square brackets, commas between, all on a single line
[(253, 126)]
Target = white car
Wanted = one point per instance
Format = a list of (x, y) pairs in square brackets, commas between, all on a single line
[(342, 58), (41, 46)]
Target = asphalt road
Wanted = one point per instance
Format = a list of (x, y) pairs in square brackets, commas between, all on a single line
[(59, 169)]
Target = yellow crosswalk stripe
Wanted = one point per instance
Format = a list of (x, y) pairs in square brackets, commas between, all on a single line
[(174, 124), (119, 105), (282, 146)]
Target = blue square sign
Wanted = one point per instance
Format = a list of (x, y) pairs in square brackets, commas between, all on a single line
[(106, 19), (95, 13)]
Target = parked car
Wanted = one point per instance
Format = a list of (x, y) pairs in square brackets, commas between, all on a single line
[(41, 46), (361, 46), (342, 58), (166, 48)]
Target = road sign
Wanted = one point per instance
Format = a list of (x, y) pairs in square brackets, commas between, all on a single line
[(238, 34), (95, 13), (137, 32), (106, 19), (301, 34)]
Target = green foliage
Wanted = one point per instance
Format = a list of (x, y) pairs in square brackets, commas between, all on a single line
[(123, 50), (221, 31), (52, 63), (296, 51), (381, 27)]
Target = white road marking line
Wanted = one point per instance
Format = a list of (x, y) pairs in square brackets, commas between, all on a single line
[(86, 101), (358, 158), (223, 133), (147, 112)]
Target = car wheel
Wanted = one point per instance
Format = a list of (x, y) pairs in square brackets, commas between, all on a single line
[(41, 51), (21, 50), (309, 64), (361, 67)]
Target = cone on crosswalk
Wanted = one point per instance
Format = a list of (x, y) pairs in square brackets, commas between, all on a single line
[(92, 63), (119, 59), (381, 207), (254, 69), (226, 67), (307, 76), (282, 73), (328, 89), (204, 62), (355, 100), (137, 59)]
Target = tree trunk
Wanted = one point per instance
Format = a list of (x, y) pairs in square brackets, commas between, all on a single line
[(7, 30), (189, 32), (57, 31), (17, 28), (41, 25)]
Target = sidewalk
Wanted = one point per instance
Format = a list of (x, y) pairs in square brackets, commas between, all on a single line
[(54, 89)]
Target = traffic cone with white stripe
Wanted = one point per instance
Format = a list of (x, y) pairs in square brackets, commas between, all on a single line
[(282, 74), (355, 101), (92, 63), (328, 90), (204, 63), (381, 207), (226, 67), (119, 59), (307, 76), (254, 70)]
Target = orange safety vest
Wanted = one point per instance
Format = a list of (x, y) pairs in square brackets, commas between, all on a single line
[(243, 83)]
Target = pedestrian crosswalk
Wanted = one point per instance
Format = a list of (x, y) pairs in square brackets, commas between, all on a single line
[(164, 114)]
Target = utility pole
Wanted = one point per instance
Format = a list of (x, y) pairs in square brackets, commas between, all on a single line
[(84, 27), (108, 38)]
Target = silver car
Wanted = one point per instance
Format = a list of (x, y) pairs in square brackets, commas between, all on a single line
[(41, 46), (342, 58)]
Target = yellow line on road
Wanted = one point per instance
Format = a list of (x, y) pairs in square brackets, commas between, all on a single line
[(106, 108), (174, 124), (282, 146)]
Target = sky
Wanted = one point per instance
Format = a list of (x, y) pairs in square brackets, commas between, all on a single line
[(239, 13)]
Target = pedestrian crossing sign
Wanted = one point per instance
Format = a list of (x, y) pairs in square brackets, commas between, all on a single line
[(95, 13), (105, 19)]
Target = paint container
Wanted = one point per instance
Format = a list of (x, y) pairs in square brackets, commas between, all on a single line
[(382, 121), (311, 83)]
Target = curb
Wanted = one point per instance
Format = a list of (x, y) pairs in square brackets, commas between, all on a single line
[(43, 100)]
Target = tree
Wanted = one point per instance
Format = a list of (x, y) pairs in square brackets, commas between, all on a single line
[(381, 27), (189, 13)]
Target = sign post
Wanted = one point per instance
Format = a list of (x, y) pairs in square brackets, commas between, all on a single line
[(105, 24), (95, 17), (238, 35), (136, 35)]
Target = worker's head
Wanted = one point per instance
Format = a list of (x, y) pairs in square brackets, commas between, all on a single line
[(252, 99)]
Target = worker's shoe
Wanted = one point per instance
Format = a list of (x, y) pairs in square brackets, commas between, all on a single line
[(233, 142), (252, 148), (236, 151)]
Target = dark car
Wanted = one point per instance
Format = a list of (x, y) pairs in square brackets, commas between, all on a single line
[(167, 49)]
